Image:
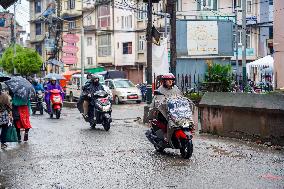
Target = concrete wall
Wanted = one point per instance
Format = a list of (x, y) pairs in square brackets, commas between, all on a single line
[(235, 122), (243, 116), (278, 43)]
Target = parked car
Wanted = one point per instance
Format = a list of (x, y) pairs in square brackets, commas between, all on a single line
[(124, 90), (73, 91)]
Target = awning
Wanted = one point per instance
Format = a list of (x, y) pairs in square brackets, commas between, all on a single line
[(95, 70), (54, 62)]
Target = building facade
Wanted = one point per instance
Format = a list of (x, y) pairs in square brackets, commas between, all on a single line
[(6, 31)]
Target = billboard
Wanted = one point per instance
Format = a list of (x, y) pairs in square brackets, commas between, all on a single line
[(202, 38)]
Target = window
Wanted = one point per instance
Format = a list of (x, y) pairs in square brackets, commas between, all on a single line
[(249, 7), (179, 5), (71, 4), (206, 4), (89, 41), (38, 28), (270, 2), (104, 45), (38, 48), (126, 22), (123, 84), (142, 13), (248, 38), (270, 32), (89, 21), (37, 6), (90, 60), (127, 48), (71, 24), (141, 43), (103, 16)]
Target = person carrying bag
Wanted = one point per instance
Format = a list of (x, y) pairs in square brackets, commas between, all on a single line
[(5, 116)]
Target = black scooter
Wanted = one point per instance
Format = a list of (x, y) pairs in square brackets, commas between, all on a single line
[(37, 103)]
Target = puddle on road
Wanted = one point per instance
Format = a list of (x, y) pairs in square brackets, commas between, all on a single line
[(224, 152)]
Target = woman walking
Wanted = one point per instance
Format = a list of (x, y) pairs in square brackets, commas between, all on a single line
[(5, 115), (21, 116)]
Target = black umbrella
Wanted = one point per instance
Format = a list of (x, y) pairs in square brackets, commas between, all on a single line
[(4, 77), (20, 87)]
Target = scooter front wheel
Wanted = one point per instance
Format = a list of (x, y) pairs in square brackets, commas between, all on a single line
[(106, 125), (186, 149), (159, 149)]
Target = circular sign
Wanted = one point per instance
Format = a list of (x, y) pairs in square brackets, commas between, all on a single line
[(70, 38), (70, 49)]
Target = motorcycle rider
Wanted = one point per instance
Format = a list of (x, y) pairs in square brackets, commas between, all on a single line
[(50, 86), (37, 86), (89, 88), (167, 89)]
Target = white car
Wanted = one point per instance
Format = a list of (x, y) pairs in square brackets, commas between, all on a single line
[(73, 91), (124, 90)]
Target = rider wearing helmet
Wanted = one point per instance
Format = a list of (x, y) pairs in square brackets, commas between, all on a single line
[(50, 86), (169, 88), (92, 86), (37, 86)]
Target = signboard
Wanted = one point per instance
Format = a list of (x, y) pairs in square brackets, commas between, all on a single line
[(69, 59), (249, 52), (49, 44), (251, 20), (70, 49), (202, 38), (70, 38)]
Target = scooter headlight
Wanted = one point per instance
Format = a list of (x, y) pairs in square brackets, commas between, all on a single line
[(106, 108)]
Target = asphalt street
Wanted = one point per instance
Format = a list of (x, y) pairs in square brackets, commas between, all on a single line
[(67, 153)]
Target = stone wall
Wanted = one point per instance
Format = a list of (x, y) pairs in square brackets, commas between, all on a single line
[(250, 118)]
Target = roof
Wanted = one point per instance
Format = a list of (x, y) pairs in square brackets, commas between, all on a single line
[(7, 3), (243, 100)]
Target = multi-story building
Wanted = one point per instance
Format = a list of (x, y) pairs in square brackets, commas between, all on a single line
[(44, 34), (71, 13), (6, 26)]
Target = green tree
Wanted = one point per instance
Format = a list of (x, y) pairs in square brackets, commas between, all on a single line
[(27, 61), (218, 78)]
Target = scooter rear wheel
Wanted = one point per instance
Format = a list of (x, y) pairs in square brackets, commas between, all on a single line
[(186, 149), (57, 114)]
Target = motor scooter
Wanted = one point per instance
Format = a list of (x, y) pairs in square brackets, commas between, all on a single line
[(56, 103), (173, 128), (100, 109), (37, 103)]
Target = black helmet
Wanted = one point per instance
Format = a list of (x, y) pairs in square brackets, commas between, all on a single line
[(94, 77)]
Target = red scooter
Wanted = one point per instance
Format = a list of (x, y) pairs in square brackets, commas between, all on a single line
[(55, 103)]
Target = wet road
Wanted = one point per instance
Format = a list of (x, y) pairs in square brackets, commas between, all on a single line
[(66, 153)]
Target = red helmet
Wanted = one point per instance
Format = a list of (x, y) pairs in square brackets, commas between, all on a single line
[(168, 76)]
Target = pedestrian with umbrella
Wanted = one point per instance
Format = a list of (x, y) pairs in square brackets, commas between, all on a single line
[(21, 91), (5, 111)]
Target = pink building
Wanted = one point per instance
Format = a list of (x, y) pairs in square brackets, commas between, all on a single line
[(279, 43)]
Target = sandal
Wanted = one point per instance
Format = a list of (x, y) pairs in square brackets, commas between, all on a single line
[(3, 145)]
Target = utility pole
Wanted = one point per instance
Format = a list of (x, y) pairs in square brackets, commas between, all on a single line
[(15, 39), (237, 43), (244, 42), (82, 52), (172, 9), (149, 52)]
